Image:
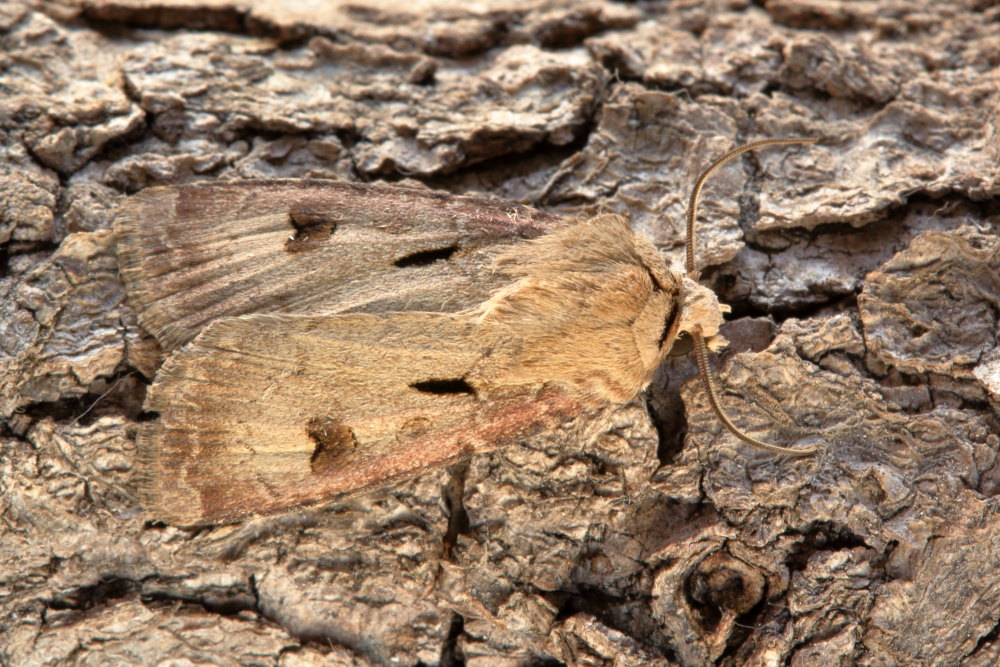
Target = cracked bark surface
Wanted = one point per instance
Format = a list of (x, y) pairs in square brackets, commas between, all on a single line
[(863, 273)]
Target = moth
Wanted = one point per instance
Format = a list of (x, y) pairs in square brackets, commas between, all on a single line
[(328, 338)]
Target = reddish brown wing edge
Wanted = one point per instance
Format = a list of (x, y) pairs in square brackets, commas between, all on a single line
[(226, 497)]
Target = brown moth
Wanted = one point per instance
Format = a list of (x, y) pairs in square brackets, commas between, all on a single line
[(331, 338)]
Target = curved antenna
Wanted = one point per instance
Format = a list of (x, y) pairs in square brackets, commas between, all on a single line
[(700, 348)]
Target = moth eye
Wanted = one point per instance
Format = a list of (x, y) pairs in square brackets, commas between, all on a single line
[(425, 257), (442, 387), (333, 441), (682, 344), (311, 227)]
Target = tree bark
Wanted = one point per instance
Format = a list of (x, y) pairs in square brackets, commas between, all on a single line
[(862, 272)]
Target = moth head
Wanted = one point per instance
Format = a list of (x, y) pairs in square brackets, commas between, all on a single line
[(674, 305), (703, 312)]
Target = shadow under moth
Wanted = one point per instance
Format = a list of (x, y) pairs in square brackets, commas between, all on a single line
[(328, 338)]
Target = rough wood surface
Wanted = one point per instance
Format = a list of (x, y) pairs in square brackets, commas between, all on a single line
[(863, 273)]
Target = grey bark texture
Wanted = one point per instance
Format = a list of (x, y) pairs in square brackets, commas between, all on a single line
[(864, 273)]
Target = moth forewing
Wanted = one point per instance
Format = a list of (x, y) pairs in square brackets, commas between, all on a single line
[(263, 413), (191, 254)]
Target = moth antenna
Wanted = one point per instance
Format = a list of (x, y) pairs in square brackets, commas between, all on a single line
[(700, 348)]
